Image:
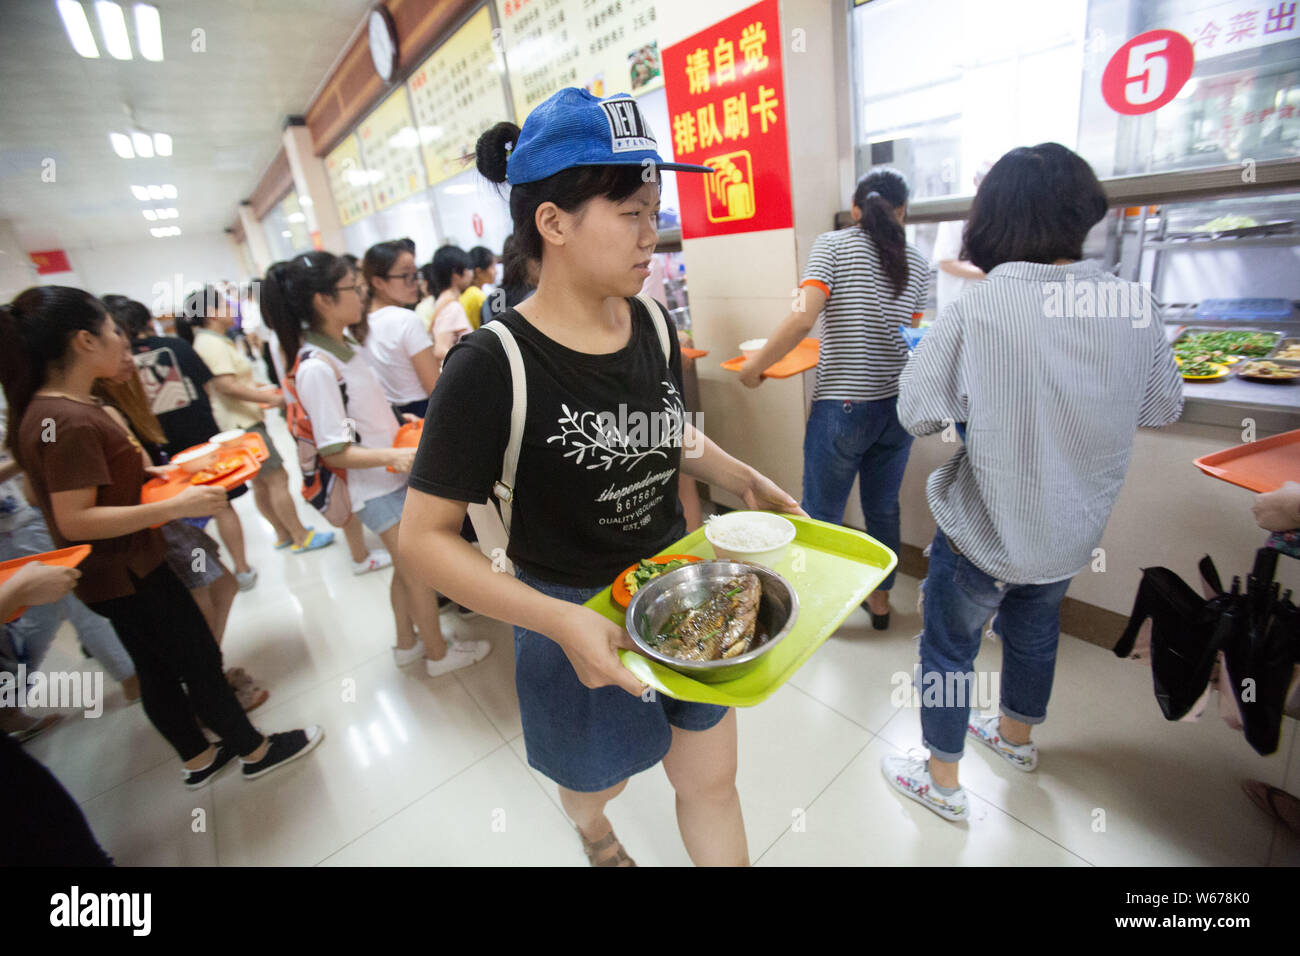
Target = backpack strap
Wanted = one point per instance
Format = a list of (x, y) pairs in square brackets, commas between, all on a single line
[(660, 321), (504, 488)]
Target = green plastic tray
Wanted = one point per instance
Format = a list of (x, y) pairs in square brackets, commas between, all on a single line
[(832, 568)]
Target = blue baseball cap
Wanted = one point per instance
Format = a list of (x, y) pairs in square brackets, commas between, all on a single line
[(574, 128)]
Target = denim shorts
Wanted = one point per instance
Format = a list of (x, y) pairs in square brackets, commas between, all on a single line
[(380, 514), (583, 739)]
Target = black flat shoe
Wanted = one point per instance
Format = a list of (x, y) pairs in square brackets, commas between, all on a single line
[(879, 622)]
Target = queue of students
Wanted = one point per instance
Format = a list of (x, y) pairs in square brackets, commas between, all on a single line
[(1019, 506)]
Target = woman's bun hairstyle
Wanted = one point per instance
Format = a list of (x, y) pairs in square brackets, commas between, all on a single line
[(492, 153)]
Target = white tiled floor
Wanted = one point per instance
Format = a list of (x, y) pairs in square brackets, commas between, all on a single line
[(415, 770)]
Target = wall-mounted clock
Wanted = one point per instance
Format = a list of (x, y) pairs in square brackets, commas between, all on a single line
[(383, 42)]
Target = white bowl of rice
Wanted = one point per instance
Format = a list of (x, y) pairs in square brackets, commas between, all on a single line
[(757, 537)]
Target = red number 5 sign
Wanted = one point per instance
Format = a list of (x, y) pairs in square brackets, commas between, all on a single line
[(1147, 72)]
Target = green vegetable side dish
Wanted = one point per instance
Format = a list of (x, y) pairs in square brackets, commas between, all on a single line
[(1200, 368), (1217, 346), (647, 570)]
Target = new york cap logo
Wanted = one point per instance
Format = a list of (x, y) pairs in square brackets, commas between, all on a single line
[(628, 129)]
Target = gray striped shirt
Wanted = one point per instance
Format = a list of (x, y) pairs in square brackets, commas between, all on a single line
[(1053, 369), (862, 351)]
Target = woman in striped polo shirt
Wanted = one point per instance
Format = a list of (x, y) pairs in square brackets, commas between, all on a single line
[(868, 280), (1053, 364)]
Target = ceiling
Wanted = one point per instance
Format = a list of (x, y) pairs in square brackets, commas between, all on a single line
[(224, 109)]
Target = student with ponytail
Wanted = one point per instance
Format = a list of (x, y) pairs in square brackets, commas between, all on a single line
[(584, 197), (311, 302), (86, 472), (867, 280)]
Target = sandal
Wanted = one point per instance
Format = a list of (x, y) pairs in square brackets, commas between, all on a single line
[(600, 846), (1267, 797), (247, 692)]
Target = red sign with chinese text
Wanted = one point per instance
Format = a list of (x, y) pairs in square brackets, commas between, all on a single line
[(726, 107), (50, 261)]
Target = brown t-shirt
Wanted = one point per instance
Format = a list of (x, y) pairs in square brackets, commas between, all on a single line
[(64, 445)]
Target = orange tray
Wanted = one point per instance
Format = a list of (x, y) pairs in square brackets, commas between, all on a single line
[(408, 436), (161, 489), (618, 590), (695, 353), (1261, 466), (800, 359), (250, 442), (64, 558)]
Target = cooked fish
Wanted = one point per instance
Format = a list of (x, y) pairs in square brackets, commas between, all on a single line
[(721, 627)]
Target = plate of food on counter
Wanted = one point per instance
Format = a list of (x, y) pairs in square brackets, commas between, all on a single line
[(1271, 371), (1224, 346), (1195, 370), (645, 571), (1288, 349)]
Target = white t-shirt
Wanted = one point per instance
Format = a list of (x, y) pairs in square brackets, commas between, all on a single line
[(947, 245), (396, 334), (368, 419)]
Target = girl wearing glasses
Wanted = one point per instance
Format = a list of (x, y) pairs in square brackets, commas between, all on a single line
[(312, 302), (397, 345)]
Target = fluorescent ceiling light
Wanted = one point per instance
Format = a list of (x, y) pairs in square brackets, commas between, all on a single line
[(121, 145), (157, 232), (168, 191), (156, 192), (143, 145), (148, 32), (297, 217), (287, 234), (140, 193), (304, 201), (78, 27), (149, 214), (113, 26), (162, 144)]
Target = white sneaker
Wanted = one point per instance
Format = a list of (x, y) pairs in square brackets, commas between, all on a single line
[(459, 654), (375, 561), (408, 655), (247, 579), (910, 776), (984, 728)]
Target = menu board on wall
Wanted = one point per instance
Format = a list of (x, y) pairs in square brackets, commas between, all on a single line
[(391, 149), (604, 46), (456, 94), (349, 181)]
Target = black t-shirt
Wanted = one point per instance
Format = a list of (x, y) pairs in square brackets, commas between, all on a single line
[(173, 376), (596, 487)]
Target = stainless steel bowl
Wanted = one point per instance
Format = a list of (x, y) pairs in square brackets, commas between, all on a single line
[(690, 586)]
